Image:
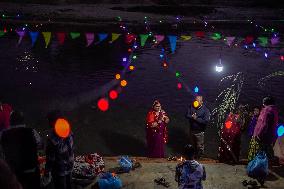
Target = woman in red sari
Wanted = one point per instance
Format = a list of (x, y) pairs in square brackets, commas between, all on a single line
[(229, 149), (156, 131)]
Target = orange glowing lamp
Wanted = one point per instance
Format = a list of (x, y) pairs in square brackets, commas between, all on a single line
[(131, 67), (123, 83), (195, 104), (117, 76), (62, 128), (228, 124)]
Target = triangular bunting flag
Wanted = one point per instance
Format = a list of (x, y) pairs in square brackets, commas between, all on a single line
[(249, 39), (185, 37), (275, 40), (129, 38), (90, 37), (21, 35), (263, 41), (34, 36), (102, 36), (143, 39), (2, 33), (216, 36), (200, 34), (114, 36), (230, 40), (47, 37), (159, 38), (61, 37), (173, 42), (74, 35)]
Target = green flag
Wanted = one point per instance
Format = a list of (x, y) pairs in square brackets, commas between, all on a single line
[(216, 36), (75, 35), (263, 41), (143, 39)]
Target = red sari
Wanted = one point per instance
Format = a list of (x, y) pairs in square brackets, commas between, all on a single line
[(229, 149), (156, 136), (5, 111)]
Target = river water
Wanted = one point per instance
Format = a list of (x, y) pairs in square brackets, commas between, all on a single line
[(72, 77)]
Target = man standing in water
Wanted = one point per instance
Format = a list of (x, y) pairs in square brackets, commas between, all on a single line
[(198, 115)]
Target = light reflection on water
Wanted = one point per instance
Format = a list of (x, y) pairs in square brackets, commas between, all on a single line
[(69, 70), (27, 62), (72, 69), (42, 74)]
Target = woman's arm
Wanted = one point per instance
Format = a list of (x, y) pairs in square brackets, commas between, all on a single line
[(154, 124), (166, 119)]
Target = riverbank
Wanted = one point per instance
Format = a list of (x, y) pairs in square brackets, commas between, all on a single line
[(219, 176)]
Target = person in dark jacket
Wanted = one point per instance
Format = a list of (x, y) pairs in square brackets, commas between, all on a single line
[(8, 180), (20, 147), (59, 155), (199, 116), (190, 173)]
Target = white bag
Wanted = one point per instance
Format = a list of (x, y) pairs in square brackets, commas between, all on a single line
[(279, 148)]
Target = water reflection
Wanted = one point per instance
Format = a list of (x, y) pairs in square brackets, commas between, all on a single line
[(27, 62)]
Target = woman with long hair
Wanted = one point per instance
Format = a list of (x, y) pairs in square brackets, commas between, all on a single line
[(156, 131)]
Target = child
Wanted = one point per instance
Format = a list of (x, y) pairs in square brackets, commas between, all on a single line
[(256, 111), (190, 173)]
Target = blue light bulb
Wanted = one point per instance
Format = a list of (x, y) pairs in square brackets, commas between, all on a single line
[(196, 89), (280, 131)]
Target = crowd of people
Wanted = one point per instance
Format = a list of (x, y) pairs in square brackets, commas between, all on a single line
[(260, 125), (20, 145)]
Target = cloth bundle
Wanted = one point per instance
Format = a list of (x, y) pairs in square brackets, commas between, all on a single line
[(125, 163), (279, 149), (109, 181), (88, 166), (258, 167)]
